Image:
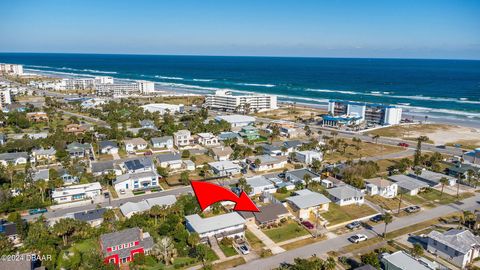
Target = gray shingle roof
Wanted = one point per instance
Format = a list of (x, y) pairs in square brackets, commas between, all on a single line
[(307, 199), (163, 139), (169, 157), (459, 240), (407, 182), (300, 173), (102, 166), (13, 156), (344, 192), (90, 214), (105, 144), (125, 236)]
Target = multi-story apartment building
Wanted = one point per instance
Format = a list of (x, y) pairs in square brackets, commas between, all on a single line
[(379, 114), (124, 89), (12, 69), (146, 87), (224, 100), (5, 98)]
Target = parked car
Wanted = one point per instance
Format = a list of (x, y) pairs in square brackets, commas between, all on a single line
[(412, 209), (122, 191), (37, 211), (357, 238), (308, 224), (402, 144), (244, 249), (354, 225), (377, 218), (106, 195)]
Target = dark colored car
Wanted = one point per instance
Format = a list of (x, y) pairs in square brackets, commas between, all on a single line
[(354, 225), (308, 225), (403, 144), (106, 195), (37, 211), (377, 218)]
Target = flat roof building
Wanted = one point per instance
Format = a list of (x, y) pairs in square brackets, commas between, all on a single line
[(224, 100), (226, 225)]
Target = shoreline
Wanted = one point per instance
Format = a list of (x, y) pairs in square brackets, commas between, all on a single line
[(442, 116)]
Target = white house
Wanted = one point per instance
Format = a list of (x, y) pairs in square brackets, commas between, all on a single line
[(132, 145), (76, 192), (381, 187), (222, 153), (307, 202), (308, 157), (459, 247), (163, 108), (182, 137), (170, 160), (346, 195), (108, 147), (133, 181), (407, 184), (260, 184), (230, 225), (15, 158), (236, 120), (207, 139), (128, 209), (137, 165), (225, 168), (267, 163), (162, 142)]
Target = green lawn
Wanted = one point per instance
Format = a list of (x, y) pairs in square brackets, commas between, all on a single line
[(282, 196), (433, 195), (338, 214), (71, 258), (228, 250), (286, 231), (254, 242)]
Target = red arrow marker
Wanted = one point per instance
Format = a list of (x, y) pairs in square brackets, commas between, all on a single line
[(208, 194)]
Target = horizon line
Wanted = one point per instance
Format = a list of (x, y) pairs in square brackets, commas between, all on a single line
[(247, 56)]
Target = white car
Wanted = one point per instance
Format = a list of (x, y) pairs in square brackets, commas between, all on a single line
[(357, 238), (244, 249)]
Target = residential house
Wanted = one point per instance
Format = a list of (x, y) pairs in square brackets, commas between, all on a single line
[(162, 142), (79, 150), (37, 117), (137, 165), (274, 149), (207, 139), (42, 174), (461, 171), (120, 247), (407, 184), (76, 192), (269, 215), (134, 181), (10, 231), (300, 175), (308, 157), (128, 209), (381, 187), (331, 182), (182, 138), (249, 133), (229, 135), (188, 165), (230, 225), (135, 144), (75, 129), (147, 124), (307, 202), (260, 184), (292, 145), (108, 147), (225, 168), (93, 217), (41, 154), (15, 158), (67, 177), (346, 195), (400, 260), (104, 167), (433, 178), (172, 160), (222, 153), (460, 247), (266, 163)]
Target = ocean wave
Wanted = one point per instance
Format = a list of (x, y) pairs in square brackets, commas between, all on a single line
[(71, 74), (382, 94), (169, 78), (256, 84), (417, 109), (202, 80), (100, 71)]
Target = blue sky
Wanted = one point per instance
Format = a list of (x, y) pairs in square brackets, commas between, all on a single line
[(331, 28)]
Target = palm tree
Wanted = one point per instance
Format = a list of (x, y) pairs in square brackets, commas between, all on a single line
[(10, 172), (63, 228), (418, 151), (375, 138), (42, 186), (164, 250), (155, 212), (387, 218), (329, 264), (307, 178), (109, 217), (443, 181)]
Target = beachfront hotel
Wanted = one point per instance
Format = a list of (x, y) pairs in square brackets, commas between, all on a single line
[(124, 89), (224, 100), (5, 98), (83, 83), (11, 69), (354, 113)]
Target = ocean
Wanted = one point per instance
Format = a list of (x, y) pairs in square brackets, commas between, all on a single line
[(441, 89)]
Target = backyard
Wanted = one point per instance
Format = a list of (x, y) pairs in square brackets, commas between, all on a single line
[(339, 214)]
